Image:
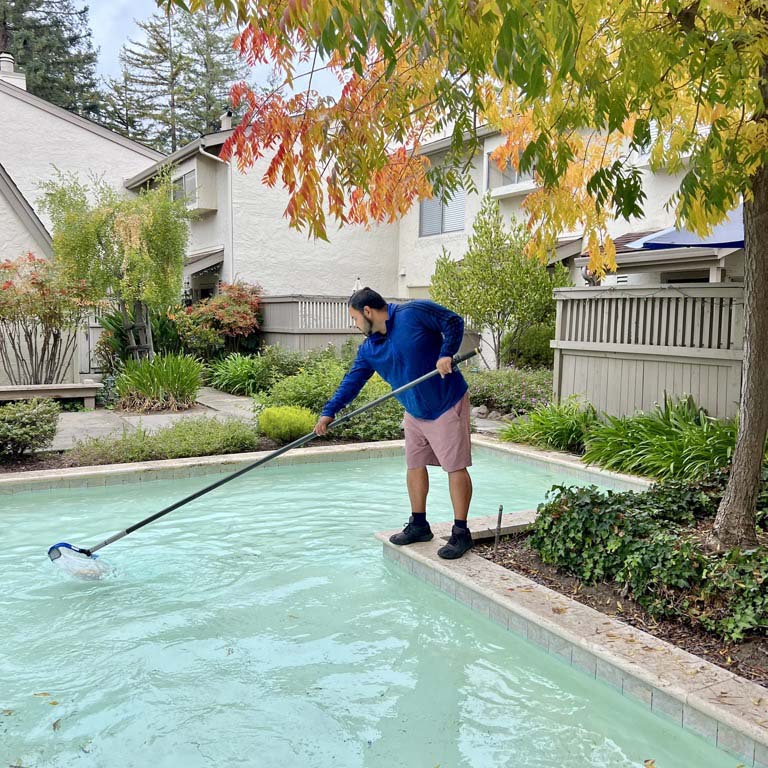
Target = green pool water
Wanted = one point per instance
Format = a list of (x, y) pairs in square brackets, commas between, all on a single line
[(260, 626)]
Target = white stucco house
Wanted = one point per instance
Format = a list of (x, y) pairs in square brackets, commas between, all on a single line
[(36, 138)]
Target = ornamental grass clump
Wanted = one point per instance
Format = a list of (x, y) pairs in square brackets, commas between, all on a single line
[(562, 426), (241, 374), (167, 382), (675, 440)]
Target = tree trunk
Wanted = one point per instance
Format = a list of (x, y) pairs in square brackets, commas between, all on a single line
[(133, 347), (735, 521)]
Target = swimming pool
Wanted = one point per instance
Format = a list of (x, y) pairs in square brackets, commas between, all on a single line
[(260, 626)]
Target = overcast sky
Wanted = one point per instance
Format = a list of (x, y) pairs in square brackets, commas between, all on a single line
[(112, 22)]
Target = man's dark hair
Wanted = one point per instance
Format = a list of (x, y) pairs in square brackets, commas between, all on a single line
[(366, 297)]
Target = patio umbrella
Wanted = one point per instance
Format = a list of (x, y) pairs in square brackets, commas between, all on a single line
[(729, 234)]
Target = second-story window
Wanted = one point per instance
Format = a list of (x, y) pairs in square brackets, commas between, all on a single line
[(437, 217), (503, 177), (185, 186)]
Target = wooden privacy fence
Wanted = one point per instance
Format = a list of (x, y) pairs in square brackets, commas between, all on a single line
[(622, 348), (310, 322), (306, 322)]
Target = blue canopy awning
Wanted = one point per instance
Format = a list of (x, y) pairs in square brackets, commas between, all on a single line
[(729, 234)]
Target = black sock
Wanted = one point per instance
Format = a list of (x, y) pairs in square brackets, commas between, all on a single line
[(419, 518), (460, 524)]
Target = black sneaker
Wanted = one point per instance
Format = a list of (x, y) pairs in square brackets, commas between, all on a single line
[(412, 533), (459, 543)]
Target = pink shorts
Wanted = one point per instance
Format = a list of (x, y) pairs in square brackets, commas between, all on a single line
[(443, 442)]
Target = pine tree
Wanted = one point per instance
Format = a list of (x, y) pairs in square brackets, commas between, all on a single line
[(51, 42), (125, 107), (214, 68), (156, 67)]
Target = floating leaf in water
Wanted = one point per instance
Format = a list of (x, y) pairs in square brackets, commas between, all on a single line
[(53, 703), (649, 764), (41, 694), (8, 712)]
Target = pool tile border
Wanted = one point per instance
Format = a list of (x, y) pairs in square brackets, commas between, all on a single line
[(728, 711)]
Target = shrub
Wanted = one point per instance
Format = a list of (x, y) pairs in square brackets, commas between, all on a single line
[(241, 374), (314, 386), (281, 362), (379, 423), (676, 439), (40, 313), (532, 348), (27, 426), (200, 436), (646, 542), (562, 426), (286, 422), (167, 381), (310, 388), (224, 320), (510, 390)]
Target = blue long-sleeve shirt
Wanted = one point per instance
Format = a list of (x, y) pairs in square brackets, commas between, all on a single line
[(418, 334)]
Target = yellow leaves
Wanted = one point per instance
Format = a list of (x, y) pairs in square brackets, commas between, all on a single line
[(728, 7)]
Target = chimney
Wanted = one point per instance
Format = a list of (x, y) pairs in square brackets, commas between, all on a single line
[(226, 120), (8, 73)]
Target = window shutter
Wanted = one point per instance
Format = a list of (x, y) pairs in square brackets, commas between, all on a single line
[(430, 217), (453, 212)]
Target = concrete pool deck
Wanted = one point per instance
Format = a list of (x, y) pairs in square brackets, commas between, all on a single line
[(729, 711)]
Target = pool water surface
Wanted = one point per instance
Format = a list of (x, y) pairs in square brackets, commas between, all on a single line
[(260, 626)]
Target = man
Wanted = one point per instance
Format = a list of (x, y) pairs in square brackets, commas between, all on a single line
[(402, 343)]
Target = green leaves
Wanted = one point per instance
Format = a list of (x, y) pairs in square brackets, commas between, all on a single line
[(27, 426), (647, 544), (622, 185), (286, 422), (562, 426), (676, 440), (130, 248), (496, 286)]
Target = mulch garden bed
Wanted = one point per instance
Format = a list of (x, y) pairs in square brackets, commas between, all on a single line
[(748, 659)]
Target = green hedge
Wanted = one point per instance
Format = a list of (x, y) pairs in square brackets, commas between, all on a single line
[(28, 425), (532, 349)]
